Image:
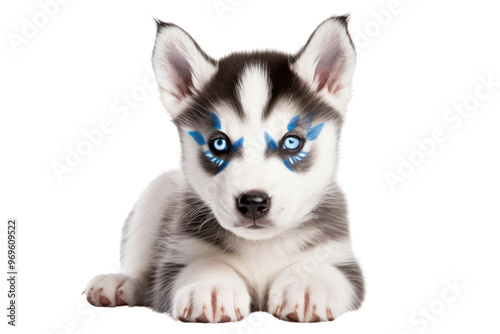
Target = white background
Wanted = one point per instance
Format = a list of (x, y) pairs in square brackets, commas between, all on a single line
[(439, 226)]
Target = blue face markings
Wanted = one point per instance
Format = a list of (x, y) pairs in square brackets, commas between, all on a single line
[(287, 165), (271, 143), (314, 132), (293, 123), (292, 160), (217, 161), (220, 145), (216, 121), (292, 143), (223, 166), (237, 145), (198, 137)]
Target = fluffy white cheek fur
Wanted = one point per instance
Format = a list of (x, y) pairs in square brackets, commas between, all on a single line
[(293, 194), (297, 193), (217, 191)]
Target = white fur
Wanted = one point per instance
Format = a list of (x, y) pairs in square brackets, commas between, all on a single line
[(327, 287), (271, 259), (254, 92), (259, 262), (140, 236), (264, 261), (144, 223), (202, 278)]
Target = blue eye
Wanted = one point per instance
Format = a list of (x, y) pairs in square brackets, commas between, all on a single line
[(291, 143), (220, 144)]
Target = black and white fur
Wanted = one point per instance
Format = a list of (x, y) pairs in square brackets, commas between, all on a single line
[(186, 249)]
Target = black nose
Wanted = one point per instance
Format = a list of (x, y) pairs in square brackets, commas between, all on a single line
[(253, 205)]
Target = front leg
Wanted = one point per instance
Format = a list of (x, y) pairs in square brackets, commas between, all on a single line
[(209, 291), (318, 295)]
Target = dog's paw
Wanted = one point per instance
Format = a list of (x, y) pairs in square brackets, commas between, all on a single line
[(213, 301), (113, 290), (308, 301)]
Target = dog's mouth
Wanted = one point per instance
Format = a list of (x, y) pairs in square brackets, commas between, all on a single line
[(258, 229), (247, 227), (255, 224)]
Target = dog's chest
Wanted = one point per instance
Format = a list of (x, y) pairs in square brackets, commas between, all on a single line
[(261, 263)]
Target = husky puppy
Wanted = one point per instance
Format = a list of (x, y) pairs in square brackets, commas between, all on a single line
[(254, 220)]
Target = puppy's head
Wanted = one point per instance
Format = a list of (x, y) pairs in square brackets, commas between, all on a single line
[(259, 130)]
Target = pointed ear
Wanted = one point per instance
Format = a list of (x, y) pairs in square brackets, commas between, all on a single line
[(180, 65), (327, 61)]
